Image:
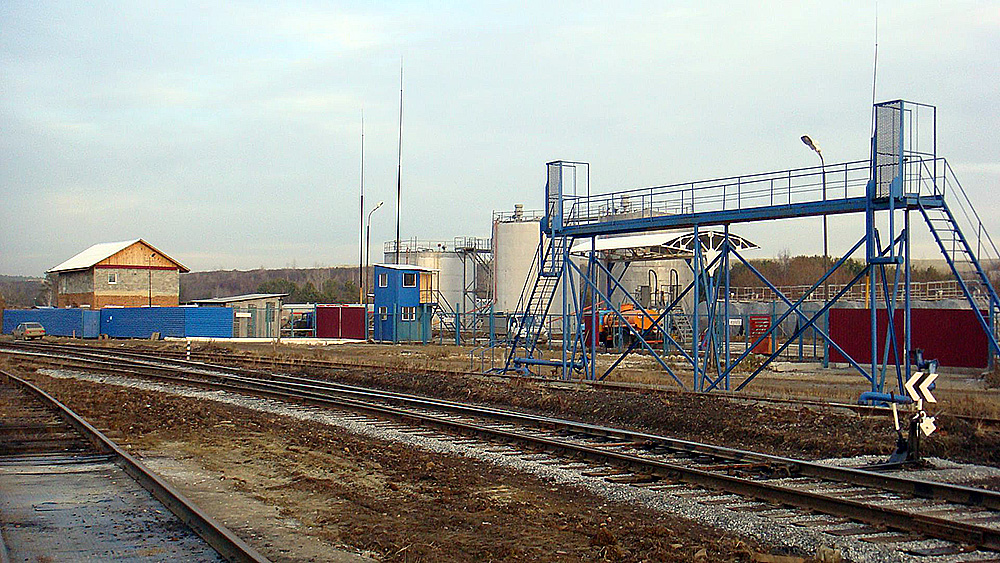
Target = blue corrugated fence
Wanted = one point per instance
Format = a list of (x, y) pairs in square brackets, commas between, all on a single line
[(82, 323), (129, 322)]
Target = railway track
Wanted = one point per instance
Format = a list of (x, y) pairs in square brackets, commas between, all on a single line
[(303, 364), (875, 507), (68, 493)]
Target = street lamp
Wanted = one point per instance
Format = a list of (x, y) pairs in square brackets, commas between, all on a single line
[(826, 255), (368, 246)]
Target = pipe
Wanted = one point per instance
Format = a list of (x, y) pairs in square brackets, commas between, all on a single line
[(873, 397)]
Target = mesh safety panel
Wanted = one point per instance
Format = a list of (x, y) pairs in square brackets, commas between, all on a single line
[(888, 138), (553, 190)]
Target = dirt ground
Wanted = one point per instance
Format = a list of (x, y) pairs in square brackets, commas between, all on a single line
[(393, 502), (804, 432)]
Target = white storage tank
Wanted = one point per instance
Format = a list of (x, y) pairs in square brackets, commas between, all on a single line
[(515, 243)]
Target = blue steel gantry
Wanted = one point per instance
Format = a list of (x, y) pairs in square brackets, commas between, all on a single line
[(903, 176)]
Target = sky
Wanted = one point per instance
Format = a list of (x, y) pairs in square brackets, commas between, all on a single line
[(229, 134)]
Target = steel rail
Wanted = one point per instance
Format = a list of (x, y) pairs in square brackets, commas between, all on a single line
[(172, 356), (299, 363), (556, 384), (927, 489), (877, 515), (227, 544)]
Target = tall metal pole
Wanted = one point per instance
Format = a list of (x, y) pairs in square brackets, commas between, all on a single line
[(368, 247), (399, 156), (361, 240)]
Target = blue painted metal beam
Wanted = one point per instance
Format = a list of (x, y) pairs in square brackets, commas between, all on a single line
[(766, 213)]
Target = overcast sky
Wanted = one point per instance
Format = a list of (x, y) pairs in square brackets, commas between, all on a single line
[(228, 134)]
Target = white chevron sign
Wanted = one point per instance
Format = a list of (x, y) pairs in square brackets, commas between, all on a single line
[(918, 386)]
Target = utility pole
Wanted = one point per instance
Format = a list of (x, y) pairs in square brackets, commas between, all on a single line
[(149, 272), (399, 157), (361, 217)]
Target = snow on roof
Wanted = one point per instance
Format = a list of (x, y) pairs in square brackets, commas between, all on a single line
[(98, 252)]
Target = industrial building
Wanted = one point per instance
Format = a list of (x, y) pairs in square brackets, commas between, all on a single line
[(131, 273)]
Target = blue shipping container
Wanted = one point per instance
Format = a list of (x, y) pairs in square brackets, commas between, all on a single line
[(81, 323), (212, 322), (142, 322)]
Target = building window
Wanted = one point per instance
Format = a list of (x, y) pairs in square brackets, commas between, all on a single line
[(383, 281), (113, 278), (410, 280), (383, 313), (409, 314)]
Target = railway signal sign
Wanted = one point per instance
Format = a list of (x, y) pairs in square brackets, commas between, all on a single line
[(918, 386)]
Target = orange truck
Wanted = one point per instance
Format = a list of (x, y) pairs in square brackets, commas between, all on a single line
[(612, 329)]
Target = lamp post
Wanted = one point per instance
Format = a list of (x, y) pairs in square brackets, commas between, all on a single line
[(149, 273), (368, 246), (361, 243), (826, 254)]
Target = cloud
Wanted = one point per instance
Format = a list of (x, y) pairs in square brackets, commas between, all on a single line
[(217, 129)]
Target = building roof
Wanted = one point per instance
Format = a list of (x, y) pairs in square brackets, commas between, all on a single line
[(235, 298), (91, 256), (407, 267)]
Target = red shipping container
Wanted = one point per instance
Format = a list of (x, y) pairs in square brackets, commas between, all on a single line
[(340, 321), (952, 336)]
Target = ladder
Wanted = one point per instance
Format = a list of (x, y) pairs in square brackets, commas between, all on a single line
[(527, 324), (966, 267), (682, 327)]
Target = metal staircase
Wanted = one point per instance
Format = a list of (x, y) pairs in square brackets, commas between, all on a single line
[(527, 324), (966, 264), (682, 328)]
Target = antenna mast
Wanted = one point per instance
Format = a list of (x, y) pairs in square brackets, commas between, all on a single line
[(399, 156)]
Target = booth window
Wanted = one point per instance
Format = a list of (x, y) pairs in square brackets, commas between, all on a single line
[(409, 314), (410, 280), (383, 280)]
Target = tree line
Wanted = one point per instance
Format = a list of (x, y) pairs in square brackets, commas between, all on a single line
[(331, 291)]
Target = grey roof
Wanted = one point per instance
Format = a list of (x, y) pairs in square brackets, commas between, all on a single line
[(234, 298)]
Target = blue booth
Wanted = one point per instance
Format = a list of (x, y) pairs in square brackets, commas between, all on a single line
[(405, 298)]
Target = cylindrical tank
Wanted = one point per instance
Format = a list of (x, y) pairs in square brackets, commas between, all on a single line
[(515, 243)]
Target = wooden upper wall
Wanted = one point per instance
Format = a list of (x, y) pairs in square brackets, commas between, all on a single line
[(138, 254)]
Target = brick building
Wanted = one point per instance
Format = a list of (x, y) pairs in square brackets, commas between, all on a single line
[(130, 273)]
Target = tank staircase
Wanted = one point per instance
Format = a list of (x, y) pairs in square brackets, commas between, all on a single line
[(682, 328), (967, 265), (528, 322)]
